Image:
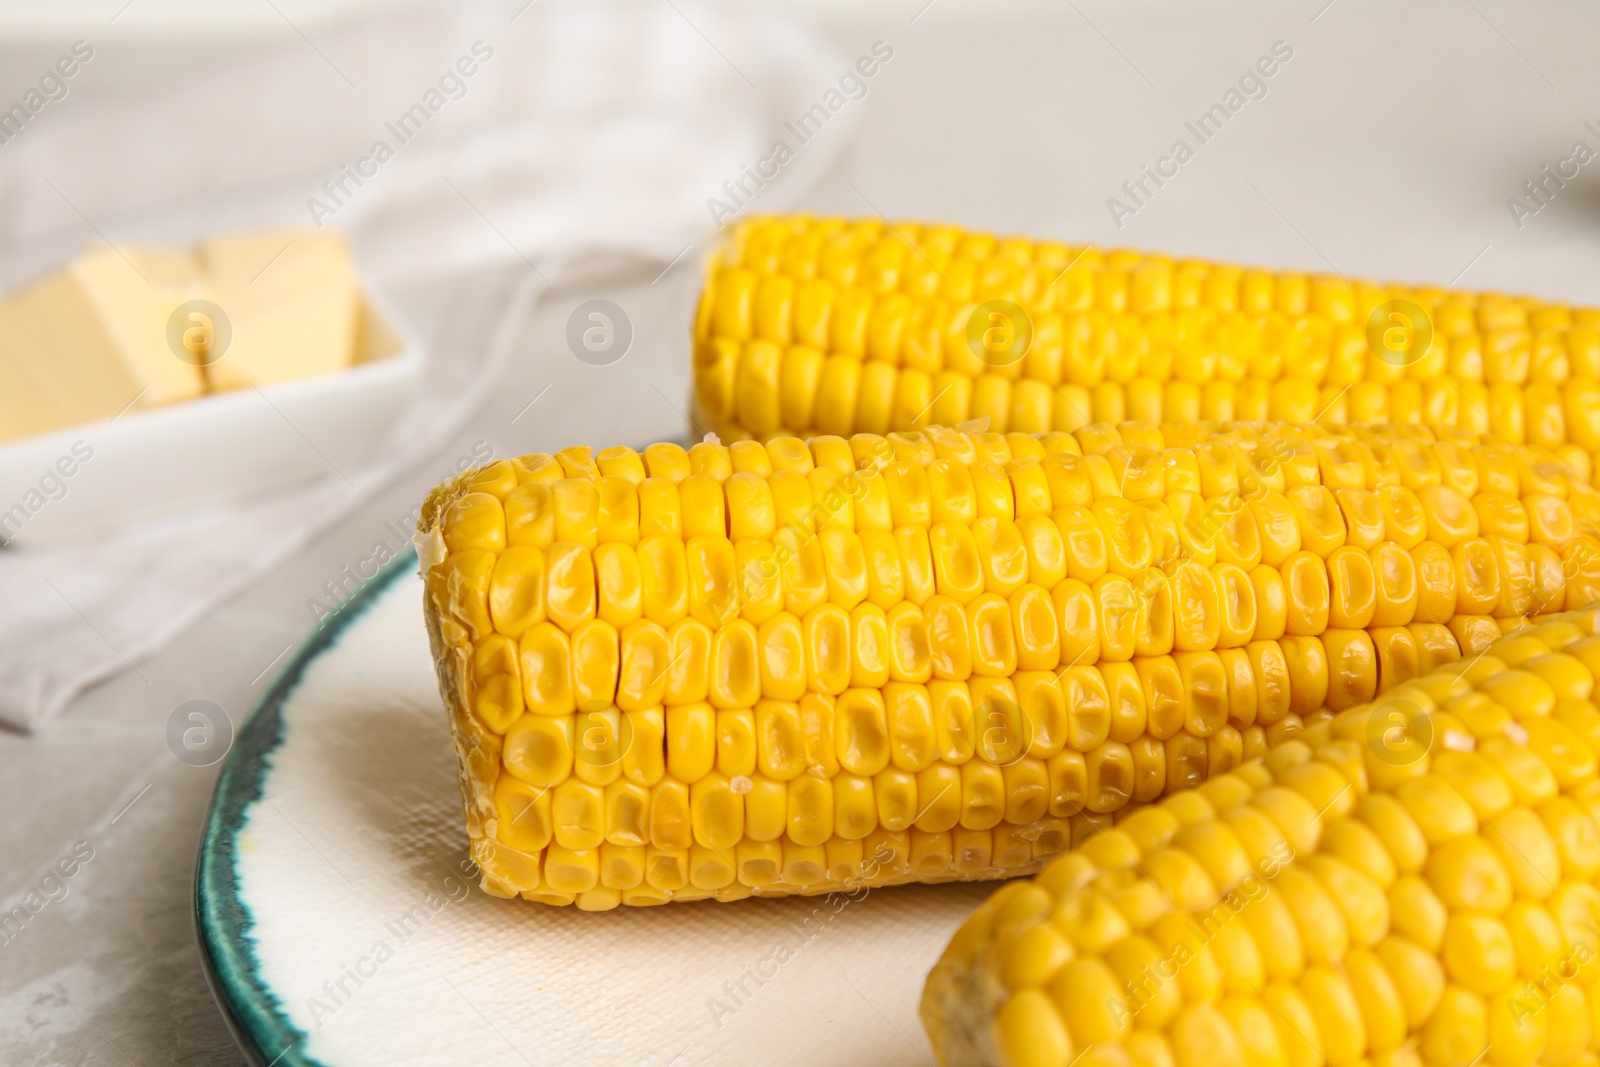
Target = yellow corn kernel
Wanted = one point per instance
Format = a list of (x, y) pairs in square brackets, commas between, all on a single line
[(1459, 960), (522, 814)]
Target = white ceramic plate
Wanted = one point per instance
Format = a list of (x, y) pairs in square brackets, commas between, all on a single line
[(212, 449), (339, 930)]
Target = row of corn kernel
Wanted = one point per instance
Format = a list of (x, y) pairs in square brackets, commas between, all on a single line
[(925, 478), (755, 390), (764, 568), (608, 875), (1086, 346), (742, 397), (1386, 452), (912, 729), (931, 261), (736, 666), (717, 811), (831, 652), (1199, 608), (866, 575), (1091, 347), (1373, 900)]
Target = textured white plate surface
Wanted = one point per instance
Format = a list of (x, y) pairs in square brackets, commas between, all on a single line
[(349, 872)]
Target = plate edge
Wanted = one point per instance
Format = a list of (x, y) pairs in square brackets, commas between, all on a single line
[(222, 923)]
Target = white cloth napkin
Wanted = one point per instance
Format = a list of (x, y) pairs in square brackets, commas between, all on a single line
[(587, 132)]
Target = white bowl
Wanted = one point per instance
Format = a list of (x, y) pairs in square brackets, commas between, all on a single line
[(165, 460)]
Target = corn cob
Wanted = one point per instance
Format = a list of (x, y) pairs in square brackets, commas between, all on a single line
[(827, 326), (1348, 899), (789, 667)]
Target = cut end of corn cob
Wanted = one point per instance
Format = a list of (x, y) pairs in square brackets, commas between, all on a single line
[(830, 326), (793, 667), (1347, 900)]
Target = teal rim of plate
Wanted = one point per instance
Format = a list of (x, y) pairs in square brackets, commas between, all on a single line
[(223, 923)]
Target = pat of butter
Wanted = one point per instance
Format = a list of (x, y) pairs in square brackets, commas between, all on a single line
[(135, 292), (97, 337), (91, 340), (290, 298)]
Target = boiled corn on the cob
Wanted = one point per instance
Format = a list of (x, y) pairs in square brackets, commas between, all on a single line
[(930, 656), (1331, 904), (830, 326)]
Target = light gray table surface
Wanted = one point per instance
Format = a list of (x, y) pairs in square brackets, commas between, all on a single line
[(1387, 146)]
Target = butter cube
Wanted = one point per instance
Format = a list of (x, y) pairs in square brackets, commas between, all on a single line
[(91, 340), (101, 335), (291, 299), (136, 292)]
